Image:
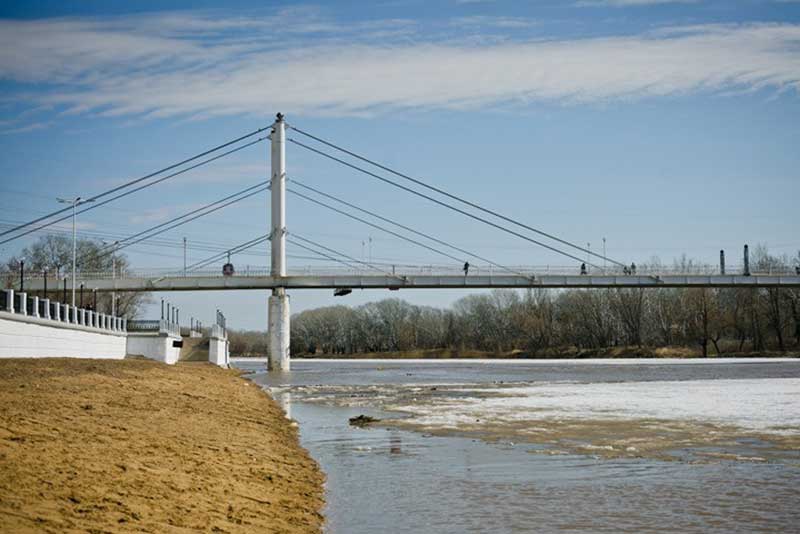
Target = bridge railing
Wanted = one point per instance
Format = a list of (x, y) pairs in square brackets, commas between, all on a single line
[(430, 270), (161, 326), (42, 309), (144, 326)]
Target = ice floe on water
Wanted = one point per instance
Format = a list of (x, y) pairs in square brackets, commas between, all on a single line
[(661, 411), (763, 405)]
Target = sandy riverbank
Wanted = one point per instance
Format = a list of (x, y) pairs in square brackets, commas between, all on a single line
[(138, 446)]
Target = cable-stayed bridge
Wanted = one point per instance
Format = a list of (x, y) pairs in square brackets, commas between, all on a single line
[(466, 269), (415, 277)]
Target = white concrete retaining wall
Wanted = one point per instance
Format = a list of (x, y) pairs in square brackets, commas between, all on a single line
[(38, 328), (155, 346), (25, 336), (218, 351)]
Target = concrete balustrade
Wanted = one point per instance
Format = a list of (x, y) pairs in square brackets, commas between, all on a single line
[(18, 303), (33, 327)]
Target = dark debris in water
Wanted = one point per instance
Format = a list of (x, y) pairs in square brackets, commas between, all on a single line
[(363, 420)]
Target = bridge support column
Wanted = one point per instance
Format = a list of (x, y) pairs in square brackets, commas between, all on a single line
[(279, 330), (279, 301)]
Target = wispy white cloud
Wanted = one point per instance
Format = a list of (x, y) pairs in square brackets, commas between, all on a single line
[(630, 3), (30, 127), (487, 21), (150, 216), (201, 66)]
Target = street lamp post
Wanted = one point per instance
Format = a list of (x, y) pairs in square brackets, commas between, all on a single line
[(74, 201), (113, 276)]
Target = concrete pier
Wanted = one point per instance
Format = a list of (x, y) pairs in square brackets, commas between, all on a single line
[(218, 346), (279, 332)]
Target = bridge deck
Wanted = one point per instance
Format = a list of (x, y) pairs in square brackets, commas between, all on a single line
[(207, 283)]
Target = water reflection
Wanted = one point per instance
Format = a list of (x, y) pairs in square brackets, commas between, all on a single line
[(284, 399), (449, 484)]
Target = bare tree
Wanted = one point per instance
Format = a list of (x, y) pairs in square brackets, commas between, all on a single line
[(52, 254)]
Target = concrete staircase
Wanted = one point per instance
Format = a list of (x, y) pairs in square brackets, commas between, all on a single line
[(195, 349)]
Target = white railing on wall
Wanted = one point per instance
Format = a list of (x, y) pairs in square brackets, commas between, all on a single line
[(19, 303), (217, 331), (168, 327), (160, 326)]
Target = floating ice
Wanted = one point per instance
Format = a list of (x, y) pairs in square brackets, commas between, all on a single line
[(767, 405)]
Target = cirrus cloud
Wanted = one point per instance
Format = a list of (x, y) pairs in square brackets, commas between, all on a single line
[(200, 66)]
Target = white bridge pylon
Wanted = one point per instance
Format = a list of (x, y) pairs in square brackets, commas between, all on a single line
[(278, 309)]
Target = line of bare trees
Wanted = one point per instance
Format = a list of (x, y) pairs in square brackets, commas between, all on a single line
[(549, 322), (52, 254)]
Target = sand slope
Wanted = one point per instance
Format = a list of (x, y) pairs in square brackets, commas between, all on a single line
[(138, 446)]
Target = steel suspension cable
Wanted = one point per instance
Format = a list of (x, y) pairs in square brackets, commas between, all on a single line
[(332, 258), (455, 197), (238, 248), (368, 223), (439, 202), (181, 223), (404, 227), (343, 255), (134, 190), (187, 214), (137, 180)]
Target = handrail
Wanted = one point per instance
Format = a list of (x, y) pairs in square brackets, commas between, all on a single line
[(424, 269), (19, 303)]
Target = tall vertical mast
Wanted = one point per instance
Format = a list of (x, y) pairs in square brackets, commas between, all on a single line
[(278, 187), (278, 307)]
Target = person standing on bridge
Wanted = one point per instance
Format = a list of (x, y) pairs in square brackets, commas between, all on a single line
[(466, 268), (583, 268)]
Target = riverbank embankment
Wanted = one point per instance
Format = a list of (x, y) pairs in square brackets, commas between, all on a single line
[(139, 446)]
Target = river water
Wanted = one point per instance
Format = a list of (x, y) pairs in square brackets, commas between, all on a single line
[(567, 446)]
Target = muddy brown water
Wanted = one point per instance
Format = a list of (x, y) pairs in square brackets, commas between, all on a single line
[(480, 446)]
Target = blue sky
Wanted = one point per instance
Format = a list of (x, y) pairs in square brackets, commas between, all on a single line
[(668, 127)]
